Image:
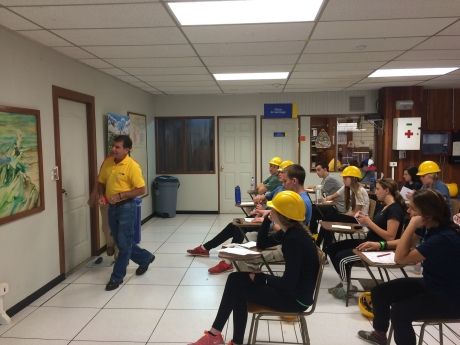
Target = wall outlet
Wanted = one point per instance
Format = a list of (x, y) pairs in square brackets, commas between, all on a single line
[(393, 164), (4, 288)]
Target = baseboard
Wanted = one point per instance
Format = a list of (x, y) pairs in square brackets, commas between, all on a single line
[(197, 212), (146, 219), (34, 296)]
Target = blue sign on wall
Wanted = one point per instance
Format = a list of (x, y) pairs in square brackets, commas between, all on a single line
[(280, 110)]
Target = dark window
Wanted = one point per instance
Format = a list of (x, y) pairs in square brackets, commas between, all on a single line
[(185, 145)]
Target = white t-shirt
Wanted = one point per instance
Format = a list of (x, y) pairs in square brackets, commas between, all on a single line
[(362, 198)]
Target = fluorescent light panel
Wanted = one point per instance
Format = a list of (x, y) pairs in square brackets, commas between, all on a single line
[(410, 72), (244, 12), (251, 76)]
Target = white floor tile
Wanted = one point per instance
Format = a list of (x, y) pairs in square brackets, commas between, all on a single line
[(200, 276), (160, 276), (150, 246), (155, 236), (142, 297), (48, 295), (16, 341), (121, 325), (197, 297), (81, 295), (176, 248), (77, 342), (17, 318), (52, 323), (172, 260), (187, 238), (101, 275)]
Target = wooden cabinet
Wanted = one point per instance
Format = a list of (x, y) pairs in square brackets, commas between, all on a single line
[(322, 124)]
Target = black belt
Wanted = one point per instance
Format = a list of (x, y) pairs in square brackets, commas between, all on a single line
[(122, 202)]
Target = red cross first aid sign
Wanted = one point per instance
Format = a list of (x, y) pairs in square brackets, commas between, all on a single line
[(406, 133)]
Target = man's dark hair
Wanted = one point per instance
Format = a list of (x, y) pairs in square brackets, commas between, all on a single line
[(323, 165), (125, 139), (296, 171)]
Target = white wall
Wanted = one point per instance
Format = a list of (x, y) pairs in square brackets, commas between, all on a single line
[(318, 103), (29, 256)]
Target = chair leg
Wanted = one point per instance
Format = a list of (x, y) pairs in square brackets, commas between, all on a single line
[(304, 330), (390, 334), (422, 333), (251, 329), (256, 327), (440, 334)]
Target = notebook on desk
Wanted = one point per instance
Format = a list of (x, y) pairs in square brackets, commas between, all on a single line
[(381, 257)]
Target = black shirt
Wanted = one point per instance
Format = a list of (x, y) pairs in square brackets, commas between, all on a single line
[(393, 211)]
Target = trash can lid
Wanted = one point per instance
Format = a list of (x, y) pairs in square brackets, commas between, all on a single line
[(166, 178)]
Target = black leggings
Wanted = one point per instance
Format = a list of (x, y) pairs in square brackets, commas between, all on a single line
[(405, 300), (342, 256), (239, 290), (230, 231)]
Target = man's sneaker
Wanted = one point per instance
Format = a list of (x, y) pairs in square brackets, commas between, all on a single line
[(209, 339), (112, 285), (143, 268), (373, 337), (198, 251), (221, 267)]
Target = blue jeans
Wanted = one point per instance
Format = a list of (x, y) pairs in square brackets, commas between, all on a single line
[(121, 221)]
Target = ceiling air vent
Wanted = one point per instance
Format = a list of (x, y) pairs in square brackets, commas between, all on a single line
[(357, 104)]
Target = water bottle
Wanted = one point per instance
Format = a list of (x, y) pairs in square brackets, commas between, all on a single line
[(237, 195), (253, 184), (318, 194)]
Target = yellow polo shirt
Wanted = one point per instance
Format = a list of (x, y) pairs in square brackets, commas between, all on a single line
[(121, 177)]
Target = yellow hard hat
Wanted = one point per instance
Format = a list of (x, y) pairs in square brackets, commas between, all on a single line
[(428, 167), (285, 164), (365, 305), (275, 161), (289, 204), (351, 171), (453, 189)]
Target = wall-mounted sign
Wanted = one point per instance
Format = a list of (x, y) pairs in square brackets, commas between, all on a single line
[(280, 110), (279, 134)]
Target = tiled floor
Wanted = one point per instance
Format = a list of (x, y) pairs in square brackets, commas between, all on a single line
[(172, 303)]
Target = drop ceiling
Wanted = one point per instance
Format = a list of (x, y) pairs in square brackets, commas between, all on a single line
[(141, 43)]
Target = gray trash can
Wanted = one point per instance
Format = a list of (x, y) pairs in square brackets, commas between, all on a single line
[(164, 191)]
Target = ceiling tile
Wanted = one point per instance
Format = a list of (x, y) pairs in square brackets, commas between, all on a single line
[(96, 63), (396, 79), (98, 16), (165, 70), (213, 61), (452, 30), (189, 89), (442, 83), (347, 66), (380, 28), (423, 64), (128, 78), (74, 52), (156, 62), (13, 22), (45, 37), (127, 36), (256, 48), (297, 83), (65, 2), (160, 50), (332, 74), (180, 84), (248, 33), (348, 57), (192, 92), (252, 83), (414, 55), (303, 90), (362, 45), (113, 71), (388, 9), (440, 42), (176, 78), (249, 69)]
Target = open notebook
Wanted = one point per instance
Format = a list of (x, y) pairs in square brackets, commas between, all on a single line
[(381, 257)]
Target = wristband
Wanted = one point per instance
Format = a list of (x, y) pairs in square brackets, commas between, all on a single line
[(382, 245), (385, 244)]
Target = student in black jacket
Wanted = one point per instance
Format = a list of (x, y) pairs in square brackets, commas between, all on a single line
[(293, 292)]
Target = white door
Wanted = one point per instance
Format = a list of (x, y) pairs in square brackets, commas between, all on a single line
[(75, 184), (237, 154), (279, 138)]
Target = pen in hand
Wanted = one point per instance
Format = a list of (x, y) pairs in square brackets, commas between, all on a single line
[(379, 256)]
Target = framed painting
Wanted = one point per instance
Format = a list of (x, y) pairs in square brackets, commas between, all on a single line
[(138, 134), (21, 166), (116, 125)]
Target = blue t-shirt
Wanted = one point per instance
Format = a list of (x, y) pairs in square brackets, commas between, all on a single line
[(308, 205), (270, 195), (441, 267)]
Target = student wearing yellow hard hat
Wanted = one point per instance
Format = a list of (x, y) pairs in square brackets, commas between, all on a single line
[(271, 182), (281, 175), (429, 176), (292, 292), (435, 296)]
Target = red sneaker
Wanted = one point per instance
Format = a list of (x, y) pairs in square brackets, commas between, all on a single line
[(198, 251), (208, 339), (221, 267)]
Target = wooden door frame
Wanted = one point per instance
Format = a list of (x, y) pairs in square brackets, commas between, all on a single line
[(89, 101), (254, 117)]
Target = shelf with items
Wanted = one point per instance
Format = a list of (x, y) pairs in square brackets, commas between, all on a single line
[(322, 126)]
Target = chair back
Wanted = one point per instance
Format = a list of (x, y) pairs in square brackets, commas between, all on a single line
[(372, 205), (322, 260)]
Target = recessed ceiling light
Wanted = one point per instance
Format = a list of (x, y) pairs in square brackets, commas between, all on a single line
[(244, 12), (409, 72), (251, 76)]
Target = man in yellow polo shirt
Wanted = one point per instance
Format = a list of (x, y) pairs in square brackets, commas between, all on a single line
[(119, 182)]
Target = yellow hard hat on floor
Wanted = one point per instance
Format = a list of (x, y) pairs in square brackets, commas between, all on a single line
[(351, 171), (365, 305), (285, 164), (428, 167), (275, 161), (289, 204)]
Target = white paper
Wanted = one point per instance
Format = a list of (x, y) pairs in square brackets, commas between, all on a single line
[(406, 192), (456, 148), (381, 257), (248, 245), (239, 251), (249, 220), (247, 203), (337, 226)]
